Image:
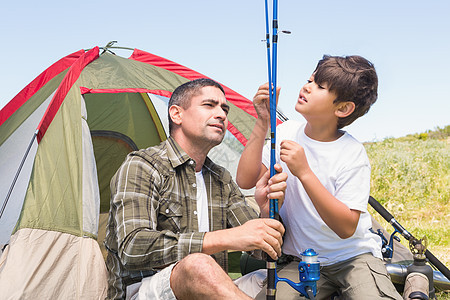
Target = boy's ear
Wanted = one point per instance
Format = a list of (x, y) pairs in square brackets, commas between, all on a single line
[(344, 109), (175, 113)]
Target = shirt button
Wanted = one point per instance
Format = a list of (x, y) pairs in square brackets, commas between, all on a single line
[(194, 185), (195, 212), (191, 162), (167, 211)]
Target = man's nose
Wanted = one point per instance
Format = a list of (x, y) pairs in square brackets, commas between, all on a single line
[(220, 113)]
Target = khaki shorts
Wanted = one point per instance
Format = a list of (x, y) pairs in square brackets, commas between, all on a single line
[(361, 277)]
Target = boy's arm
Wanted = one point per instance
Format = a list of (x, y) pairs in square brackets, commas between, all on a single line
[(341, 219), (338, 216), (250, 167)]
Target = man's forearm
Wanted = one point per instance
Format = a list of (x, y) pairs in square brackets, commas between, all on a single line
[(216, 241), (143, 249)]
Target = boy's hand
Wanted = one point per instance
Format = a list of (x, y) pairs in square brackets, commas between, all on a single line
[(294, 156), (270, 188), (261, 101)]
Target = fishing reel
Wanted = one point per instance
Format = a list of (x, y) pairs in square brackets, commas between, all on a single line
[(309, 273), (387, 248)]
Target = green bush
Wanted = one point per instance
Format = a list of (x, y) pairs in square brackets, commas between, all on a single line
[(410, 177)]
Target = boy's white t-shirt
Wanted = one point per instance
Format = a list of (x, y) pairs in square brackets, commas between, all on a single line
[(202, 203), (343, 167)]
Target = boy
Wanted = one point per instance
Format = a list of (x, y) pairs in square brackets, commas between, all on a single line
[(325, 206)]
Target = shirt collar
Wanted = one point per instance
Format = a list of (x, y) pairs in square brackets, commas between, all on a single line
[(177, 156)]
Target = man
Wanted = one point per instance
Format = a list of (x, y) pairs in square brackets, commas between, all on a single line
[(174, 213)]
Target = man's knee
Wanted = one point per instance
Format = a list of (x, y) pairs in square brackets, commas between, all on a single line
[(197, 265), (198, 276)]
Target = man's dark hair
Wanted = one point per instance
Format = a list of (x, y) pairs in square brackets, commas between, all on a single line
[(351, 78), (183, 94)]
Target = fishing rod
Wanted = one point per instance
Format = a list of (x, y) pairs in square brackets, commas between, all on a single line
[(273, 208), (272, 76), (408, 236), (309, 267)]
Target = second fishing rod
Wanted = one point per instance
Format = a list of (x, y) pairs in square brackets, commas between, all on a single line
[(272, 75)]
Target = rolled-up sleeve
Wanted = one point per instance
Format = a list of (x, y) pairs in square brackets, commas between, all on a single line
[(239, 211)]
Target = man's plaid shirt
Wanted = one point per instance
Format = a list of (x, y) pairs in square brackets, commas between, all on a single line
[(153, 218)]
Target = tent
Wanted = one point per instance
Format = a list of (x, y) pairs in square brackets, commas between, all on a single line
[(61, 140)]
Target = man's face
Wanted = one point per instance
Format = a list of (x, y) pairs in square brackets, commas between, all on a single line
[(205, 120)]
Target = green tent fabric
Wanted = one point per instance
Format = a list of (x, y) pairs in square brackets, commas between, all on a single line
[(61, 140)]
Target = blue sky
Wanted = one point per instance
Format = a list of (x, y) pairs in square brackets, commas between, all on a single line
[(408, 41)]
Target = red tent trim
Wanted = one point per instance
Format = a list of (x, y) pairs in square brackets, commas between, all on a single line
[(67, 83), (235, 98), (27, 92), (145, 57), (85, 90), (164, 93), (78, 60)]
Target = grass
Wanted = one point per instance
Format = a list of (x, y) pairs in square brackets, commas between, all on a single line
[(411, 179)]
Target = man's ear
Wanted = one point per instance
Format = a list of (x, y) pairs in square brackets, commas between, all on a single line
[(344, 109), (176, 113)]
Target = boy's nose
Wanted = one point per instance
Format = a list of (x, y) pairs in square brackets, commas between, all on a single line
[(307, 88)]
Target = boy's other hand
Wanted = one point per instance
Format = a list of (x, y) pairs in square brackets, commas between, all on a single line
[(270, 188)]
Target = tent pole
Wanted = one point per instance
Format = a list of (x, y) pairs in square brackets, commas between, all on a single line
[(17, 173)]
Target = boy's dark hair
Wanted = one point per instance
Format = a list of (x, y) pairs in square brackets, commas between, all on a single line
[(351, 78), (182, 95)]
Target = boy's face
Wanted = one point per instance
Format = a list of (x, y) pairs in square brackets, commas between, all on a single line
[(315, 103)]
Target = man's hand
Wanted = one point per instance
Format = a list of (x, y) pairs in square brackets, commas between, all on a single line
[(264, 234), (270, 188)]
